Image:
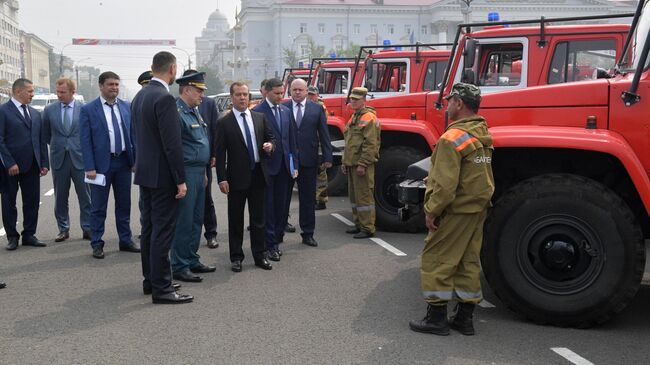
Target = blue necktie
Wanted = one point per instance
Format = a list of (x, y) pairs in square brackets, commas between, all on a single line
[(67, 121), (249, 142), (27, 117), (277, 117), (116, 130)]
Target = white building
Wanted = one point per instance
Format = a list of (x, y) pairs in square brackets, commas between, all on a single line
[(10, 47), (267, 29)]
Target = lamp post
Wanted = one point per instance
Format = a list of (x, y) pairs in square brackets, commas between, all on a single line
[(465, 10), (189, 60), (61, 59)]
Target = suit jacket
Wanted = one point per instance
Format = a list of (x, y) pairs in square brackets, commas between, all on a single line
[(209, 113), (285, 138), (157, 128), (312, 131), (61, 140), (21, 143), (232, 153), (95, 142)]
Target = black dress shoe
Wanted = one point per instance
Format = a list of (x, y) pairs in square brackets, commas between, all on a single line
[(320, 206), (146, 289), (309, 241), (236, 266), (172, 298), (3, 285), (353, 230), (32, 241), (187, 276), (201, 268), (289, 228), (12, 243), (273, 255), (279, 251), (212, 242), (86, 236), (98, 253), (264, 264), (62, 236), (130, 247), (363, 234)]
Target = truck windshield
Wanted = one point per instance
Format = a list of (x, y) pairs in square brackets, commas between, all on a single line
[(639, 38)]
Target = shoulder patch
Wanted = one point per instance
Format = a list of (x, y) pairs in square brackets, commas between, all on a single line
[(459, 138)]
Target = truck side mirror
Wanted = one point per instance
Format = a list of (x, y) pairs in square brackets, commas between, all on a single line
[(370, 63), (468, 76), (469, 53)]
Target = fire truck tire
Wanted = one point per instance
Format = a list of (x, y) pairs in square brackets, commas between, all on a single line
[(564, 250), (337, 183), (390, 170)]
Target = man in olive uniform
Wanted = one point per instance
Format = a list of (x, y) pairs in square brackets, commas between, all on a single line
[(196, 156), (459, 189), (362, 140), (321, 179)]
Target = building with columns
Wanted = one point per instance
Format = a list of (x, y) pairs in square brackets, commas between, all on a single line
[(267, 31)]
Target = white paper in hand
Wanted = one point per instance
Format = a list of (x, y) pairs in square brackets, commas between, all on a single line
[(100, 179)]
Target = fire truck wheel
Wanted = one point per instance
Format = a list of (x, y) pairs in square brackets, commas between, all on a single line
[(564, 250), (337, 183), (390, 170)]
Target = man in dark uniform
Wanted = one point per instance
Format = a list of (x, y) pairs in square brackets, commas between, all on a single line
[(196, 156), (161, 174), (459, 189), (321, 179)]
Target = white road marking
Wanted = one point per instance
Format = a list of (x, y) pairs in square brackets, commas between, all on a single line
[(485, 304), (49, 192), (343, 219), (387, 246), (2, 232), (40, 203), (571, 356)]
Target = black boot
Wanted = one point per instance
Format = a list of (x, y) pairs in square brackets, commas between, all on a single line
[(462, 320), (434, 322)]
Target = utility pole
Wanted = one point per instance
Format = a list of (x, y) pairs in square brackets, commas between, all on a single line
[(465, 10)]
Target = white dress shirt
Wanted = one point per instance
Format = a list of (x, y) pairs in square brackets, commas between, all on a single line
[(295, 108), (251, 128), (109, 123), (165, 84), (19, 105)]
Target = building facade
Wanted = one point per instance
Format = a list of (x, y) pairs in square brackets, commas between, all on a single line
[(269, 31), (36, 61), (10, 47)]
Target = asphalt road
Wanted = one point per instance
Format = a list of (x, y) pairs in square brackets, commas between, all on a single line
[(345, 302)]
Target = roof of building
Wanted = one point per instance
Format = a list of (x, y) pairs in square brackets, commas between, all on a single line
[(217, 15)]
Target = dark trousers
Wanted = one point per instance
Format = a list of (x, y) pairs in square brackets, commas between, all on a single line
[(160, 210), (187, 235), (119, 177), (307, 198), (237, 199), (276, 209), (62, 177), (30, 190), (209, 216)]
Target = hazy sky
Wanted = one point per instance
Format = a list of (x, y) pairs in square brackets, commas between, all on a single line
[(58, 21)]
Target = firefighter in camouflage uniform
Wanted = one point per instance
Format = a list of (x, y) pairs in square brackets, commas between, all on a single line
[(459, 188), (362, 140)]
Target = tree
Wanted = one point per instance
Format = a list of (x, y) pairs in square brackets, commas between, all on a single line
[(351, 51), (212, 80), (290, 57), (315, 51)]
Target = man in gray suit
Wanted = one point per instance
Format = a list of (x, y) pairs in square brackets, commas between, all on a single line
[(61, 132)]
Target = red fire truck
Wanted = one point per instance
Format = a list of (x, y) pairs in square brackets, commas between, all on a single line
[(564, 241)]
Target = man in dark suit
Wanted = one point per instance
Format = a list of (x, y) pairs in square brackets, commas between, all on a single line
[(240, 138), (281, 165), (107, 148), (24, 160), (61, 132), (209, 113), (311, 123), (160, 173)]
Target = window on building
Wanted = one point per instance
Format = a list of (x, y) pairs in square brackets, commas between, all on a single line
[(373, 28), (321, 28), (424, 29), (303, 28), (356, 29), (407, 29), (339, 28), (577, 60), (304, 49), (390, 28), (337, 44)]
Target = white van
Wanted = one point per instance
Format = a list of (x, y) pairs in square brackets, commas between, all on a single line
[(40, 101)]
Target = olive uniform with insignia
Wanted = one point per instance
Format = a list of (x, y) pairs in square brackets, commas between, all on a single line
[(362, 141), (321, 179), (459, 189), (196, 156)]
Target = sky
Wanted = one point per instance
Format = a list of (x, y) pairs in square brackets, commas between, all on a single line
[(58, 21)]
